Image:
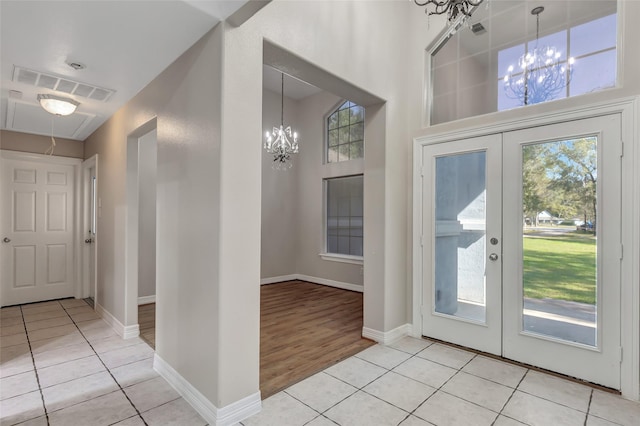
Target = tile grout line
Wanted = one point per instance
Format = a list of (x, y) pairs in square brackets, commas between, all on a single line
[(586, 417), (441, 386), (35, 369), (107, 368), (511, 396)]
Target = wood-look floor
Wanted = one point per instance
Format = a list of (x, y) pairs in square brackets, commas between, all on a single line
[(304, 328), (147, 323)]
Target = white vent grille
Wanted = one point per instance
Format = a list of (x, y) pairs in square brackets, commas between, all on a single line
[(61, 84)]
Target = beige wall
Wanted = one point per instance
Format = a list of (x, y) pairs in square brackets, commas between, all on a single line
[(147, 180), (278, 254), (186, 99), (293, 200), (24, 142)]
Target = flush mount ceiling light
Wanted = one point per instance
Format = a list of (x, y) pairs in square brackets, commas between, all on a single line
[(58, 105), (453, 8)]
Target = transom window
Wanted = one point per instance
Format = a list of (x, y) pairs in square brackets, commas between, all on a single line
[(469, 66), (345, 133)]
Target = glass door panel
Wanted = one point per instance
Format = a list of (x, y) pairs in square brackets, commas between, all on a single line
[(559, 273), (460, 210)]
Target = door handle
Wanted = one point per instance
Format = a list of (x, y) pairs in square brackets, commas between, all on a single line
[(88, 240), (6, 240), (493, 257)]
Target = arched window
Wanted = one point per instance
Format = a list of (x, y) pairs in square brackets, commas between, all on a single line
[(345, 133)]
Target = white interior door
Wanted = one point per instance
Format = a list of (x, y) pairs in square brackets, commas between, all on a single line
[(563, 283), (37, 230), (461, 187), (521, 246)]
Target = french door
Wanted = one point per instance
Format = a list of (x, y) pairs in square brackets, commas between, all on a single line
[(521, 246)]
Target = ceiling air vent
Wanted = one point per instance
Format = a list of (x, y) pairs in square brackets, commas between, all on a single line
[(478, 28), (61, 84)]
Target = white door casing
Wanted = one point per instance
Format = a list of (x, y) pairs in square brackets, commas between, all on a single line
[(89, 231), (625, 314), (38, 228)]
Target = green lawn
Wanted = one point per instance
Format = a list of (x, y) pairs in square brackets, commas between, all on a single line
[(561, 267)]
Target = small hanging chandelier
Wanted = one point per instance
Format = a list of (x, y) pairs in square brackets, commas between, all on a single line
[(281, 142), (540, 75), (453, 8)]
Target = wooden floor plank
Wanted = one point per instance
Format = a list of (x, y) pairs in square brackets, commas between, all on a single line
[(304, 328)]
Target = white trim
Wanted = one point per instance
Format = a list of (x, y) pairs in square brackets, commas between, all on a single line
[(41, 158), (280, 279), (387, 337), (240, 410), (126, 332), (229, 415), (143, 300), (331, 283), (314, 280), (343, 258)]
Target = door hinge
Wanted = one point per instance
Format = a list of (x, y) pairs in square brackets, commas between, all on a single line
[(621, 353), (621, 251), (621, 149), (421, 240), (422, 171)]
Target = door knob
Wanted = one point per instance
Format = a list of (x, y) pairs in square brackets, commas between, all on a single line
[(6, 240), (493, 257)]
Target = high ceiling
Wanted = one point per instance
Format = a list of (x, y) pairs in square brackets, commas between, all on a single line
[(123, 44)]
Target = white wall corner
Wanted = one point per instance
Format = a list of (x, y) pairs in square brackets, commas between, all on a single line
[(126, 332), (143, 300), (225, 416), (387, 337), (281, 278)]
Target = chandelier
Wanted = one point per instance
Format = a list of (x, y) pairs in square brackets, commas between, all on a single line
[(281, 142), (453, 8), (540, 75)]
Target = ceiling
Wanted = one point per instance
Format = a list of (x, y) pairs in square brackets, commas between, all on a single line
[(293, 88), (123, 44)]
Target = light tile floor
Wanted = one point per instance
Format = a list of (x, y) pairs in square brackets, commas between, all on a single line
[(62, 365), (417, 382)]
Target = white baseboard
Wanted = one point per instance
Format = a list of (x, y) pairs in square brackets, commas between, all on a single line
[(225, 416), (315, 280), (126, 332), (387, 337), (279, 279), (143, 300)]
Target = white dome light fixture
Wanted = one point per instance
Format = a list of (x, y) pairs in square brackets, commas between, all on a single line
[(57, 105)]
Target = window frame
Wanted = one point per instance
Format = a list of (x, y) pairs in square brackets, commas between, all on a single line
[(326, 254), (335, 109)]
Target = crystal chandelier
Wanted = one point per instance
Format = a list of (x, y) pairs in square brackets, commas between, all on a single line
[(453, 8), (541, 74), (281, 142)]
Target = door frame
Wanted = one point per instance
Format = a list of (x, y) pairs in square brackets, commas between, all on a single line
[(628, 108), (77, 181), (84, 290)]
